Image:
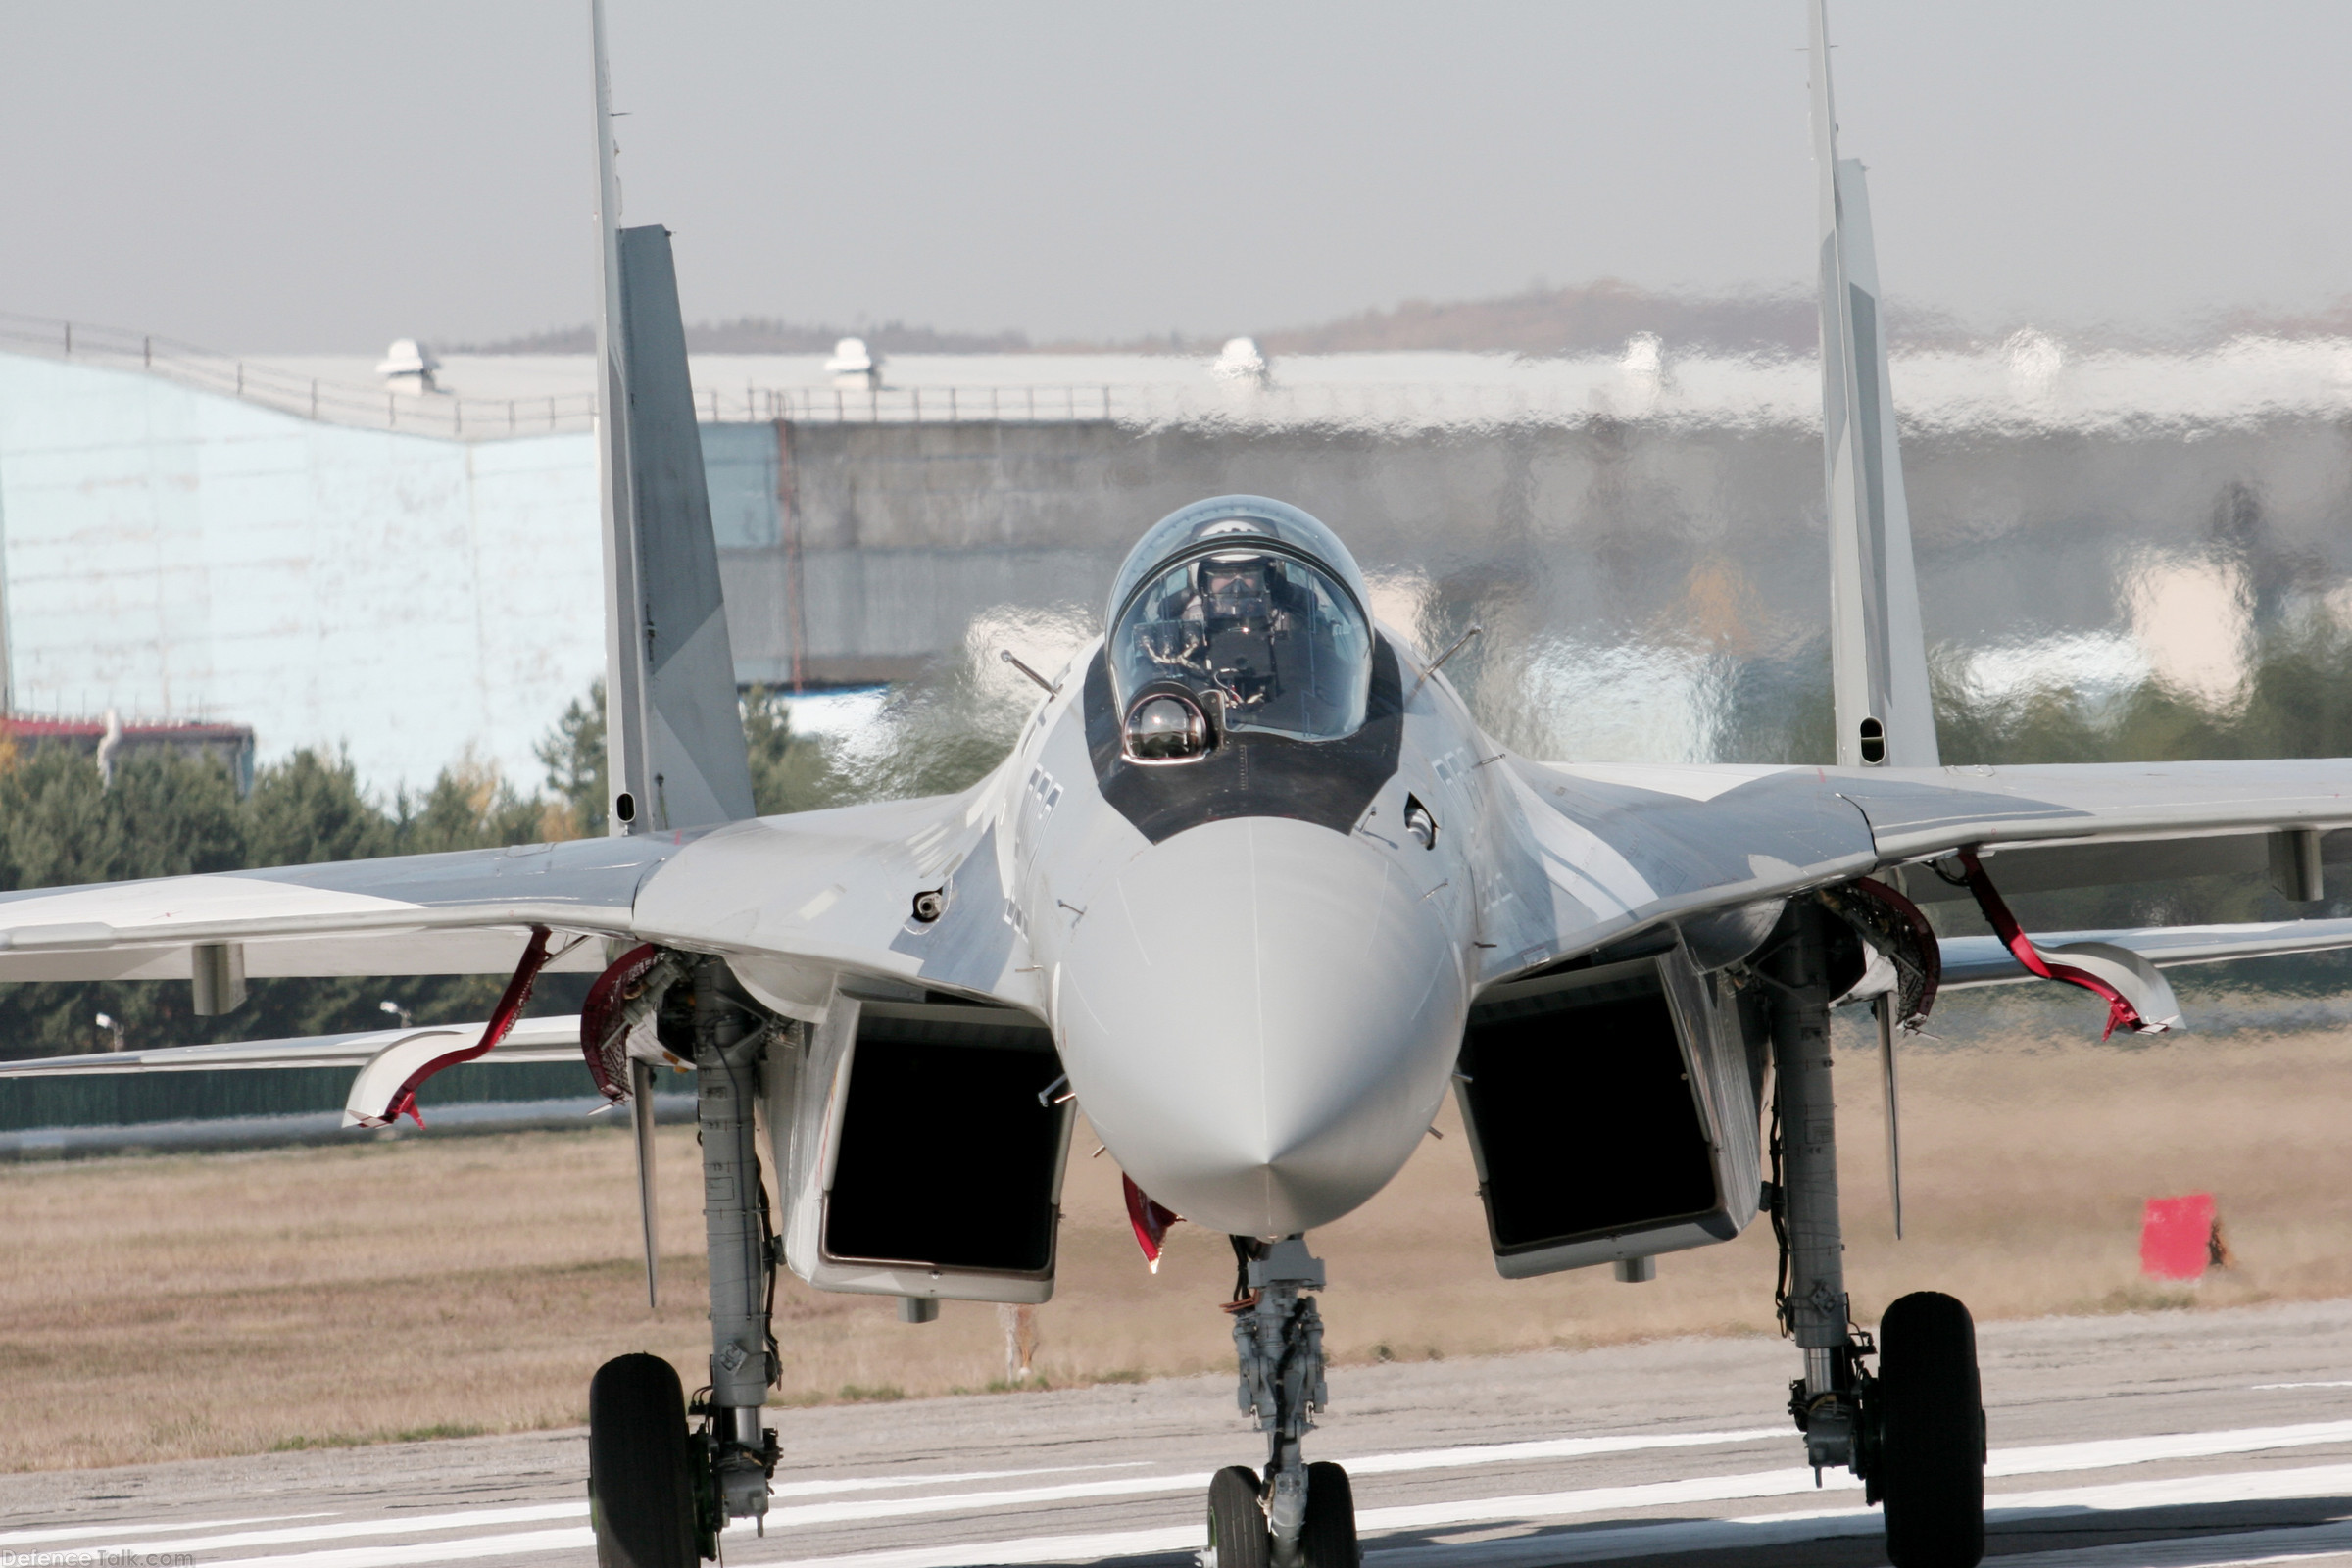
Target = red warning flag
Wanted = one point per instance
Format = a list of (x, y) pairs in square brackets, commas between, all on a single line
[(2176, 1236)]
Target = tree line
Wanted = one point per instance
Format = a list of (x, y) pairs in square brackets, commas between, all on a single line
[(168, 814)]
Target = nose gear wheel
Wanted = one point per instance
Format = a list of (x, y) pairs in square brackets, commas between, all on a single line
[(1297, 1515)]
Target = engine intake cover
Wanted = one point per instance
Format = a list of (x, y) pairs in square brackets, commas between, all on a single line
[(1613, 1113)]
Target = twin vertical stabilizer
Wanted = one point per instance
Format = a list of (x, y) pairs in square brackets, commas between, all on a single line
[(673, 729), (1878, 649)]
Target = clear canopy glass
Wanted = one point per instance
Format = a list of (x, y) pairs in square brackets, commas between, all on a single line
[(1222, 520), (1261, 638)]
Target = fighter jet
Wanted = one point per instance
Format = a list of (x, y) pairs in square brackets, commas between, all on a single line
[(1254, 890)]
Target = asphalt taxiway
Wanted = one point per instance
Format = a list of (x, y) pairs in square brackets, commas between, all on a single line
[(2176, 1438)]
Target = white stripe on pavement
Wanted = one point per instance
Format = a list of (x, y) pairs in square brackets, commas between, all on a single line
[(411, 1525), (27, 1537), (1010, 1496), (1373, 1464), (1640, 1539), (2243, 1549), (581, 1539), (2347, 1384), (2110, 1452), (818, 1489)]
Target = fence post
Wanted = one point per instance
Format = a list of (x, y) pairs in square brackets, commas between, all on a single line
[(314, 397), (68, 340), (147, 352)]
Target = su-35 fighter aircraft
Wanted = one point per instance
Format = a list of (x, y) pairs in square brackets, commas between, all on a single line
[(1253, 889)]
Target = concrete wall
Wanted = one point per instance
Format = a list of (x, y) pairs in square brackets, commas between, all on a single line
[(1649, 588), (169, 551)]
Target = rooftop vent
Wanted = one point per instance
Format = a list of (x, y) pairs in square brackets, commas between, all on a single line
[(1242, 363), (854, 367), (408, 367)]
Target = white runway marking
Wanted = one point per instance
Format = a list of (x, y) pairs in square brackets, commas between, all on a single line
[(27, 1537), (1525, 1551), (2101, 1455), (2205, 1551), (2343, 1385), (581, 1539), (1373, 1464), (411, 1525), (818, 1489)]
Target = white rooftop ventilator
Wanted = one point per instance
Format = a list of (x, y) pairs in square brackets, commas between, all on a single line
[(853, 367), (1242, 363), (408, 365)]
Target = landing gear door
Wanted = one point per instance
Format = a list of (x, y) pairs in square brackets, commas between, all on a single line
[(924, 1148)]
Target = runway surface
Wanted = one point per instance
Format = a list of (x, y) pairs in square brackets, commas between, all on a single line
[(2176, 1439)]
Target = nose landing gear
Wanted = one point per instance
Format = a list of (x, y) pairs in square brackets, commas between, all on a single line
[(1295, 1515)]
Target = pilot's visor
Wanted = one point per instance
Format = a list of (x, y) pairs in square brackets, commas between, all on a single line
[(1264, 640)]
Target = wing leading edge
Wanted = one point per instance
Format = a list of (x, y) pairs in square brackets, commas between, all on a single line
[(1625, 847), (799, 905)]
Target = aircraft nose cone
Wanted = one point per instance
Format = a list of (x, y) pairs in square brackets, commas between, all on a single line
[(1258, 1017)]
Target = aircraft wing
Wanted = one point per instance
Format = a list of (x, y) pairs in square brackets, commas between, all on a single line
[(1624, 846), (530, 1040), (797, 903), (1984, 961), (467, 912)]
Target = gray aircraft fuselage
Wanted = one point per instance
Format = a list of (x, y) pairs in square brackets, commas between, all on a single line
[(1257, 974)]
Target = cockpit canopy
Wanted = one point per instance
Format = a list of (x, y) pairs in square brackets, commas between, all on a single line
[(1248, 611)]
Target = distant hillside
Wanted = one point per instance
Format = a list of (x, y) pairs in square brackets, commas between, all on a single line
[(758, 334), (1583, 318), (1587, 319)]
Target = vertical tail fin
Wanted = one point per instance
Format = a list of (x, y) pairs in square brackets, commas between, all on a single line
[(673, 731), (1878, 649)]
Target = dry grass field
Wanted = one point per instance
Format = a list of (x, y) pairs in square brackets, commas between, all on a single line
[(174, 1306)]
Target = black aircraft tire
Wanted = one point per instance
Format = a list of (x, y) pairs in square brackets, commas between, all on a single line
[(1328, 1538), (640, 1482), (1931, 1462), (1237, 1525)]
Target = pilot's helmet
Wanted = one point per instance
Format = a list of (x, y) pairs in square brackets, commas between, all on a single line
[(1207, 526)]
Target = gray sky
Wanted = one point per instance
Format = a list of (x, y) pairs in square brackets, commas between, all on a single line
[(293, 175)]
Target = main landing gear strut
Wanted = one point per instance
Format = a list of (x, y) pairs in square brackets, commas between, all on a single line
[(1914, 1433), (660, 1493), (1295, 1515)]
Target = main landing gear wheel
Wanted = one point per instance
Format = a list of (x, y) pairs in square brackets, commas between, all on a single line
[(1931, 1462), (1237, 1522), (640, 1480), (1328, 1538)]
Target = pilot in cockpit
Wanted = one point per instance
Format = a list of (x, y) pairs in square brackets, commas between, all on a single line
[(1255, 638), (1222, 621)]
